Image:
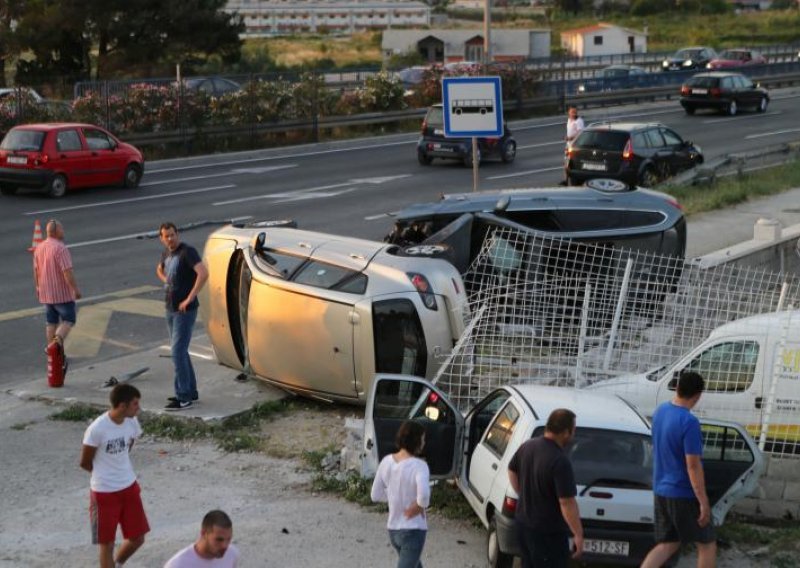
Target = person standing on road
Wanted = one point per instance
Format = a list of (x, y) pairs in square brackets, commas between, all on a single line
[(682, 508), (403, 480), (115, 496), (575, 126), (183, 274), (213, 548), (55, 283), (547, 512)]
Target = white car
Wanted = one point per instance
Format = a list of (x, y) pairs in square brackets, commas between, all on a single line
[(611, 456)]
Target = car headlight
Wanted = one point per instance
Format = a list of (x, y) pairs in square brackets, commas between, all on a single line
[(581, 88), (688, 63), (665, 63), (709, 66)]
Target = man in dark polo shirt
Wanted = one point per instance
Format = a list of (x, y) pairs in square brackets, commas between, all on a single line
[(547, 512)]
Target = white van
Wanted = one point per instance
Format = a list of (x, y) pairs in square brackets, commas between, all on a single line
[(320, 314), (747, 364)]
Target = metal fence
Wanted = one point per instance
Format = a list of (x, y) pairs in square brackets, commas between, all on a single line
[(578, 315)]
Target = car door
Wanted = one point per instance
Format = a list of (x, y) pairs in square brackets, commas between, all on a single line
[(732, 464), (394, 399), (677, 152), (72, 158), (748, 93), (657, 151), (107, 165)]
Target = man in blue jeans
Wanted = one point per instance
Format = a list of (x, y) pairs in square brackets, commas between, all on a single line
[(183, 274)]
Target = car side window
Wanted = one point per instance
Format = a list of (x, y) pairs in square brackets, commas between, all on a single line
[(278, 263), (654, 138), (501, 429), (97, 140), (672, 138), (723, 443), (68, 141), (322, 275), (483, 416), (745, 82), (726, 367), (639, 141)]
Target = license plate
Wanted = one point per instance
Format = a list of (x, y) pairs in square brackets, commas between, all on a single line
[(17, 160), (699, 91), (438, 132), (440, 148), (594, 166), (610, 547)]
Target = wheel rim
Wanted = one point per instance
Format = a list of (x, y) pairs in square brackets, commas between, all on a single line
[(763, 104), (732, 108), (649, 178), (132, 176), (58, 187), (511, 151)]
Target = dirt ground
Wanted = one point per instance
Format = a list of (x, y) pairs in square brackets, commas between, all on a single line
[(278, 521)]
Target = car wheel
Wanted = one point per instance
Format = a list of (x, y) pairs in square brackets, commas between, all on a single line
[(58, 186), (689, 109), (133, 175), (496, 558), (649, 178), (424, 159), (509, 152), (8, 189), (468, 158), (732, 108), (762, 104)]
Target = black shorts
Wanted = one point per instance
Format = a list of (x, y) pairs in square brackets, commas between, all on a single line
[(676, 521)]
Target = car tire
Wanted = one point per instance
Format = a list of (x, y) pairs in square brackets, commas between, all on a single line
[(689, 109), (496, 558), (509, 152), (468, 158), (8, 189), (133, 175), (424, 159), (762, 105), (58, 186), (732, 108), (649, 177)]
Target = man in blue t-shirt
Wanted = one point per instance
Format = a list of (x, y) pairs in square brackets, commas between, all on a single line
[(682, 509), (183, 274)]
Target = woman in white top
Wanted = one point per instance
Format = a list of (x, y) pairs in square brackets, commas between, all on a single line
[(403, 481)]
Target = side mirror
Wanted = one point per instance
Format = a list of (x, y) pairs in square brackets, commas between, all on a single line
[(502, 204), (258, 241)]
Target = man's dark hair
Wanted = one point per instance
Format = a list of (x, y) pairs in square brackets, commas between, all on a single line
[(409, 436), (168, 225), (216, 518), (123, 393), (690, 384), (560, 420)]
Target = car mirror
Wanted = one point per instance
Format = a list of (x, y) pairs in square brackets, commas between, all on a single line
[(502, 204), (258, 241)]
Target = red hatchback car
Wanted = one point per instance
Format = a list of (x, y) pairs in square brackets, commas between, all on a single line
[(60, 156), (733, 58)]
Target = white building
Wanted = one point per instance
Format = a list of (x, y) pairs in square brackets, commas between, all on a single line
[(451, 46), (603, 39), (276, 17)]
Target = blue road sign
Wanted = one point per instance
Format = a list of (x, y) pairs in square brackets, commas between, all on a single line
[(473, 106)]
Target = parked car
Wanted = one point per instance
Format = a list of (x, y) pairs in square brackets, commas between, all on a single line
[(613, 77), (57, 157), (635, 153), (724, 92), (611, 456), (603, 211), (689, 58), (319, 314), (11, 92), (738, 362), (410, 77), (433, 143), (731, 58), (212, 86)]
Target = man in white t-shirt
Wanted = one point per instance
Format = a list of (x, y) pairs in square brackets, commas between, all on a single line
[(115, 497), (213, 548), (574, 127)]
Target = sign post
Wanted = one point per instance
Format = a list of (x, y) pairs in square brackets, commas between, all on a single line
[(473, 107)]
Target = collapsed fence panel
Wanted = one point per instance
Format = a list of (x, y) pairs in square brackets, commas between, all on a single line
[(580, 315)]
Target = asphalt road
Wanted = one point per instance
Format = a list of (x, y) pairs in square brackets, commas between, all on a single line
[(345, 188)]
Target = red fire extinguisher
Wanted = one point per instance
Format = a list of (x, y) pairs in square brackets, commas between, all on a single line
[(56, 367)]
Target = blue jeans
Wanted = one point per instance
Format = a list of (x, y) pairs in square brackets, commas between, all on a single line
[(408, 543), (180, 325), (542, 550)]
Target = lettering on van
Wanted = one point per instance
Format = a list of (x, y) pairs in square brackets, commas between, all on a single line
[(790, 404), (790, 361)]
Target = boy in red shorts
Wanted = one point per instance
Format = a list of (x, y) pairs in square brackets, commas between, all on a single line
[(115, 494)]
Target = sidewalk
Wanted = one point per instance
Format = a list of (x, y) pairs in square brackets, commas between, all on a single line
[(221, 395)]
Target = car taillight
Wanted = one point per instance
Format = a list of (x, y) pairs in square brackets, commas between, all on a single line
[(627, 151), (715, 92), (675, 204), (685, 90), (422, 286), (39, 159), (509, 506)]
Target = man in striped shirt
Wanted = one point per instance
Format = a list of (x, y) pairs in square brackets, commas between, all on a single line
[(55, 283)]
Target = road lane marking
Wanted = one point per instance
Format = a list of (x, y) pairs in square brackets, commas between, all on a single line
[(559, 142), (746, 117), (773, 133), (380, 216), (129, 200), (240, 171), (192, 352), (528, 172), (27, 312)]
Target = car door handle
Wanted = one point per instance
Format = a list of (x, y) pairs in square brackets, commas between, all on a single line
[(494, 466), (369, 443), (95, 154)]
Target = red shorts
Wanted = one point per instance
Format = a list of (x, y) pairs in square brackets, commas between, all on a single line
[(124, 508)]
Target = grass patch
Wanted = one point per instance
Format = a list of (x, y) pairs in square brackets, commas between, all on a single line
[(733, 190), (77, 413)]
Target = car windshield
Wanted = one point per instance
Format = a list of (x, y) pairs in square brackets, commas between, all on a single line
[(736, 55), (24, 140), (704, 82), (435, 116), (602, 140), (687, 53), (611, 73)]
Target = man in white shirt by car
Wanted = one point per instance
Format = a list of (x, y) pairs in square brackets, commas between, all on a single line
[(575, 126), (213, 548)]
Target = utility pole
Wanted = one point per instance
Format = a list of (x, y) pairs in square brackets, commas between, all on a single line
[(487, 29)]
